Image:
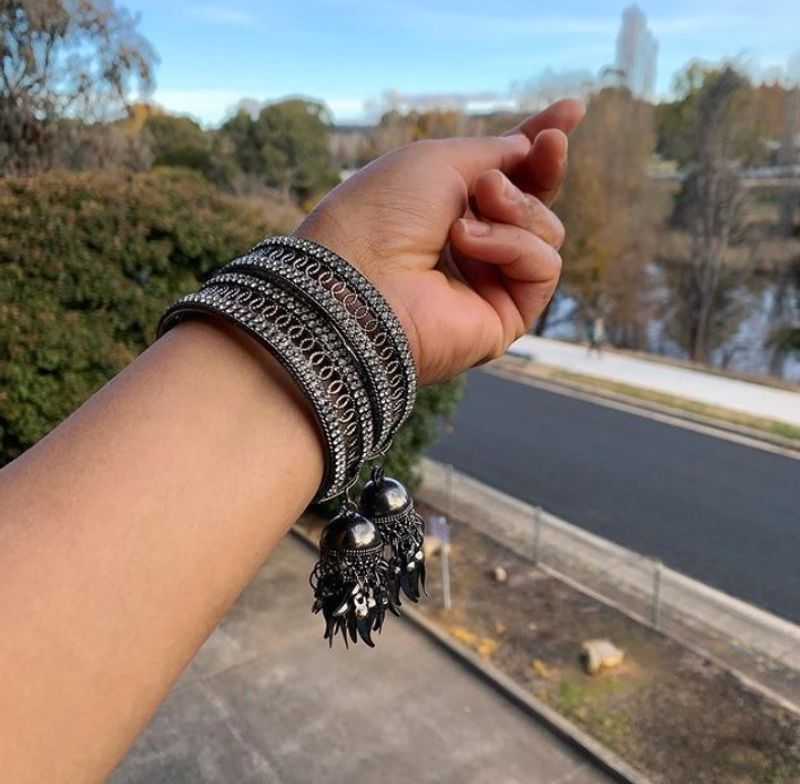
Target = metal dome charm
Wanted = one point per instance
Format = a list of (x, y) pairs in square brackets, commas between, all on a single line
[(389, 505), (350, 578)]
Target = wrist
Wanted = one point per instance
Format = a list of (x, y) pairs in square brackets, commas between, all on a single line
[(335, 334), (323, 227)]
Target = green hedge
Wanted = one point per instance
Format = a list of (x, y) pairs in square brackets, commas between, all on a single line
[(86, 265)]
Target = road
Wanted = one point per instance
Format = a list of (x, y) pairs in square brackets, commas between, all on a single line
[(718, 511)]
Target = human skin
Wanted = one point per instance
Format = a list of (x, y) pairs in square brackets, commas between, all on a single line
[(128, 531)]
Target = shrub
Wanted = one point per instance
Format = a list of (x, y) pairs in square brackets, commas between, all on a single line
[(87, 263)]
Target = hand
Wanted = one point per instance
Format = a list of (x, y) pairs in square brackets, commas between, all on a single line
[(458, 236)]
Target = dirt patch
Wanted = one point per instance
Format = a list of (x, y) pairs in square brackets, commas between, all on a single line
[(666, 710)]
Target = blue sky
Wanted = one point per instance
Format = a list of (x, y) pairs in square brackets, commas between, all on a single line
[(214, 53)]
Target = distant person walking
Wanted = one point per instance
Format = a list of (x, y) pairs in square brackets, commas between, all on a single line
[(596, 335)]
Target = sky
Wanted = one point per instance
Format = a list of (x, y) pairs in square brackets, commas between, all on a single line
[(214, 53)]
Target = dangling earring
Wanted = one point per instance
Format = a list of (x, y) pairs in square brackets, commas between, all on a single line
[(388, 504), (350, 578)]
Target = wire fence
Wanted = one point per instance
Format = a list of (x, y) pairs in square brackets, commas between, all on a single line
[(755, 643)]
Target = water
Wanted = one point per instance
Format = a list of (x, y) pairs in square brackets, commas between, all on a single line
[(745, 351)]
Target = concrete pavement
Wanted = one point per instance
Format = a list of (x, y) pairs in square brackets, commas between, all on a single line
[(265, 701), (743, 396)]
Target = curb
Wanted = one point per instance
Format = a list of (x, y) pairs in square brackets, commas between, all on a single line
[(565, 730), (555, 385)]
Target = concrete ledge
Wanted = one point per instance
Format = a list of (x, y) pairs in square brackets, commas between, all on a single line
[(597, 754)]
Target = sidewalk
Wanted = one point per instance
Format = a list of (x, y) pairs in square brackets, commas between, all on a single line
[(266, 701), (743, 396)]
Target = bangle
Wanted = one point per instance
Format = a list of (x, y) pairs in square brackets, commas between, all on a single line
[(342, 344), (379, 318), (332, 331)]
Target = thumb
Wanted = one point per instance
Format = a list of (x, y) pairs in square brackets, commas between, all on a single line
[(472, 156)]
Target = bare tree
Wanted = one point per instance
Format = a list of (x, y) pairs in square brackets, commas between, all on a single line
[(708, 205), (609, 202), (784, 338), (76, 58)]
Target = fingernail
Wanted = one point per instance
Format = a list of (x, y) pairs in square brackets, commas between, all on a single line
[(475, 228)]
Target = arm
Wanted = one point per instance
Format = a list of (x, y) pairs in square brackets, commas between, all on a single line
[(127, 532)]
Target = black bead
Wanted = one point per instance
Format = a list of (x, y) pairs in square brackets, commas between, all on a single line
[(350, 531), (383, 496)]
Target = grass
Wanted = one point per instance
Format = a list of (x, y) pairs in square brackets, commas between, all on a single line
[(591, 702), (771, 427)]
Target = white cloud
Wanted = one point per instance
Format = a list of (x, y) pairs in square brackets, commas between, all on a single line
[(346, 109)]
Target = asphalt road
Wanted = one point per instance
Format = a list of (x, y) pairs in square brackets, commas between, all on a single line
[(720, 512)]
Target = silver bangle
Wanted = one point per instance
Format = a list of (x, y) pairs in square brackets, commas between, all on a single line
[(332, 331), (379, 309)]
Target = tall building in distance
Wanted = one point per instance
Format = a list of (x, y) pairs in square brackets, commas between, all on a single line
[(637, 50)]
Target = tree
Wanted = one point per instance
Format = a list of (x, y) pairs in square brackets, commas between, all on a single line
[(177, 141), (719, 137), (608, 200), (58, 58), (285, 147), (608, 205), (87, 262)]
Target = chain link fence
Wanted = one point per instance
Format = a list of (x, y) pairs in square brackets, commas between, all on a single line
[(755, 643)]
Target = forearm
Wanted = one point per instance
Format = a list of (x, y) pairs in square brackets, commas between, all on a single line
[(129, 530), (126, 534)]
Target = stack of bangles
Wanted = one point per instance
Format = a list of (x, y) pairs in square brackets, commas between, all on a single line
[(344, 347)]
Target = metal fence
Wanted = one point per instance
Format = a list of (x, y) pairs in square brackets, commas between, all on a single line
[(753, 642)]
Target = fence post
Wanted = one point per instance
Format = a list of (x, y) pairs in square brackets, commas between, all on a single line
[(658, 568), (537, 534), (449, 506), (448, 484)]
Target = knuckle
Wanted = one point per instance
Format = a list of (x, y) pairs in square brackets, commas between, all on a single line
[(533, 208), (557, 262), (560, 233), (497, 351)]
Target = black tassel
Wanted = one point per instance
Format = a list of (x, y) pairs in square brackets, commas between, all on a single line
[(388, 504), (350, 579)]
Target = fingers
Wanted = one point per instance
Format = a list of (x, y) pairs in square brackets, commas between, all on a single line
[(529, 266), (473, 155), (564, 115), (499, 200), (543, 170)]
